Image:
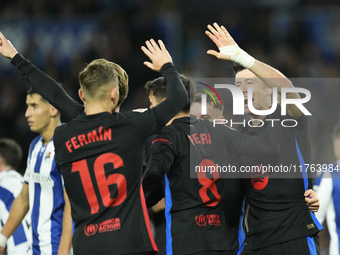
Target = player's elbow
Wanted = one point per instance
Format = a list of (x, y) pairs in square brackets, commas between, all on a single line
[(184, 99)]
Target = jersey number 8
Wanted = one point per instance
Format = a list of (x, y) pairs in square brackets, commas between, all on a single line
[(207, 183)]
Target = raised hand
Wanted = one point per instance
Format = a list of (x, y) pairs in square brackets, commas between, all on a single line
[(221, 37), (6, 48), (229, 50), (157, 54)]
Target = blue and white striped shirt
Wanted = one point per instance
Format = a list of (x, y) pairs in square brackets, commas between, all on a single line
[(327, 186), (10, 187), (46, 195)]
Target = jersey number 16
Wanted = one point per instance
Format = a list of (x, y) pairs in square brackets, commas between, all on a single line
[(102, 182)]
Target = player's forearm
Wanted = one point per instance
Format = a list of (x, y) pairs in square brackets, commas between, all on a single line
[(66, 235), (152, 184), (156, 168), (271, 76), (18, 211), (177, 97), (47, 87)]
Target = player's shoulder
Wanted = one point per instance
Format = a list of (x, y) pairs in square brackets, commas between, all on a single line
[(34, 143), (300, 122), (11, 174), (35, 140), (166, 132), (65, 127), (166, 135), (136, 114), (10, 180)]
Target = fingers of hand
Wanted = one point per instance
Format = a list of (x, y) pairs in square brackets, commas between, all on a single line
[(307, 193), (218, 29), (148, 64), (146, 51), (214, 32), (150, 47), (154, 45), (213, 38), (216, 54), (161, 44), (225, 31)]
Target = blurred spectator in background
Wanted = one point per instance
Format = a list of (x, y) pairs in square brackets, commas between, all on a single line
[(327, 186)]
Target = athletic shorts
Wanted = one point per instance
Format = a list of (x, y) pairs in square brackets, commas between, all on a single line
[(213, 253), (300, 246)]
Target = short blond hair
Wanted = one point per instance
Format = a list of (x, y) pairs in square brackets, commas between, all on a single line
[(123, 82)]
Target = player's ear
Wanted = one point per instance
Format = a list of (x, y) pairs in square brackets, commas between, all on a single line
[(269, 90), (53, 112), (81, 95), (114, 95)]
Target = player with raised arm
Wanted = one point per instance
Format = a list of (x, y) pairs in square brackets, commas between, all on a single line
[(10, 186), (236, 191), (193, 201), (100, 154), (49, 89), (277, 219)]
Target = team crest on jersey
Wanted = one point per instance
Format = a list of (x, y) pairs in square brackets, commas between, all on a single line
[(91, 229), (201, 220), (140, 110), (48, 155)]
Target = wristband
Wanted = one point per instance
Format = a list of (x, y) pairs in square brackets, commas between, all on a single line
[(3, 240), (238, 55)]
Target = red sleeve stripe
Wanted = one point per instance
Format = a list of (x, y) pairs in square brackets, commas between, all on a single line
[(146, 218)]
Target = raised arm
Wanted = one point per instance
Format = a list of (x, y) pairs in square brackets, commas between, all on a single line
[(66, 235), (177, 97), (44, 84), (229, 50)]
